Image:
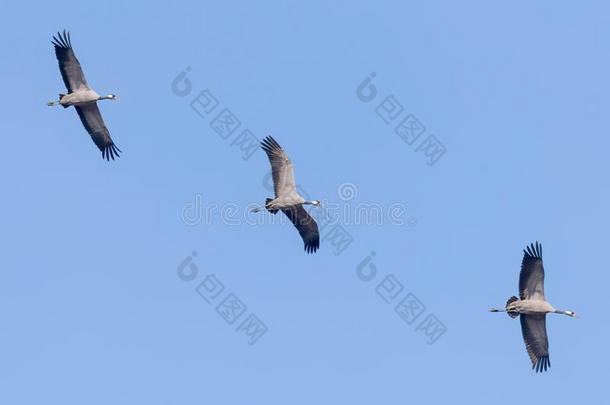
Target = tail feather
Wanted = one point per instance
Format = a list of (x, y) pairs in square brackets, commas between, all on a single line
[(267, 201), (60, 97), (512, 314)]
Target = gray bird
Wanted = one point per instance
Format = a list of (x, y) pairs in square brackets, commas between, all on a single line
[(82, 97), (533, 307), (287, 199)]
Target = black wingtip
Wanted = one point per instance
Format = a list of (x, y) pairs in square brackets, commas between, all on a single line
[(110, 151), (534, 250), (269, 139), (543, 364), (269, 144), (310, 249), (312, 246), (62, 40)]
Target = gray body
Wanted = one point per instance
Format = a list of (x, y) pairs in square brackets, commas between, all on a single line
[(82, 97), (532, 307), (287, 199)]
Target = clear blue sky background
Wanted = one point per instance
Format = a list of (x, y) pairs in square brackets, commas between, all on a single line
[(92, 309)]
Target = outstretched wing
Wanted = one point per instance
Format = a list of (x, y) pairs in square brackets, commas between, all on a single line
[(306, 225), (92, 120), (531, 279), (281, 167), (533, 328), (70, 69)]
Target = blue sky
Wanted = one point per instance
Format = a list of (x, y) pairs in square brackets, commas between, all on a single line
[(93, 308)]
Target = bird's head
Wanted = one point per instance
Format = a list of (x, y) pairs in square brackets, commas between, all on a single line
[(571, 313), (109, 97), (316, 203)]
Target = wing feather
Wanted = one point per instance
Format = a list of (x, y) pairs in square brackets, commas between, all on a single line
[(531, 278), (281, 167), (306, 225), (92, 120), (69, 66), (533, 328)]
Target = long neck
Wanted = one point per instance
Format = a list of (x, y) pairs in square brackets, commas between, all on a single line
[(562, 312)]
